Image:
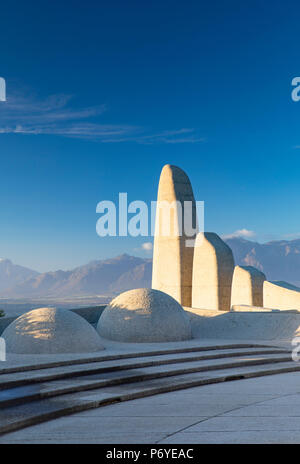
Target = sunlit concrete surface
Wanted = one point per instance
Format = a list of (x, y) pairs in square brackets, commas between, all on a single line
[(276, 326), (144, 315), (281, 295), (172, 259), (49, 331), (247, 286), (259, 410), (213, 268)]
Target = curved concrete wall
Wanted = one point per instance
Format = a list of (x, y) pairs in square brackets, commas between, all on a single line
[(172, 259), (247, 286), (278, 296), (276, 326), (212, 273)]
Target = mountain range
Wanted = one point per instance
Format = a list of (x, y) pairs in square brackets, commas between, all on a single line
[(279, 260), (102, 277)]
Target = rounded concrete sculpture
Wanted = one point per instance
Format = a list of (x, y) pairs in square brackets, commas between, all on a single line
[(172, 255), (247, 286), (281, 295), (212, 273), (51, 331), (144, 315)]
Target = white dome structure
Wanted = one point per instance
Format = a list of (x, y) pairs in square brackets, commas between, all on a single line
[(51, 331), (144, 315)]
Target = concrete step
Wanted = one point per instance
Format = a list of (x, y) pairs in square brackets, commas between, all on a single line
[(34, 391), (23, 415), (29, 366), (23, 378)]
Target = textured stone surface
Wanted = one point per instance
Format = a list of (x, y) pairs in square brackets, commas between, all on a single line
[(279, 296), (172, 259), (212, 273), (51, 330), (247, 286), (279, 326), (144, 315)]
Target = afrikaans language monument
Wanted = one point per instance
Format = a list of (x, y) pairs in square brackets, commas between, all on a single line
[(188, 280)]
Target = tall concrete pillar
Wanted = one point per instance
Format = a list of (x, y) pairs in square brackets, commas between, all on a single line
[(247, 286), (172, 257), (212, 273)]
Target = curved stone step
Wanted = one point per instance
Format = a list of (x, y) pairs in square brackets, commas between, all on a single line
[(11, 380), (34, 391), (17, 417), (121, 355)]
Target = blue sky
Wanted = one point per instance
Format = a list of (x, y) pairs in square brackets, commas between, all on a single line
[(100, 95)]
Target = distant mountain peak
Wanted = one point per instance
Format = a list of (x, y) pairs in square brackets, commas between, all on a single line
[(124, 256), (13, 274)]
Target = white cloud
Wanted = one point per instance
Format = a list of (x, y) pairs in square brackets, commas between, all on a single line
[(241, 233), (53, 108), (147, 246), (56, 115), (185, 135)]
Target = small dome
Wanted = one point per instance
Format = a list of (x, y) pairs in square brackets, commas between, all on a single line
[(50, 331), (144, 315)]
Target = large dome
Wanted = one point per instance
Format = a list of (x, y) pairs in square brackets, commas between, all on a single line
[(49, 331), (144, 315)]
